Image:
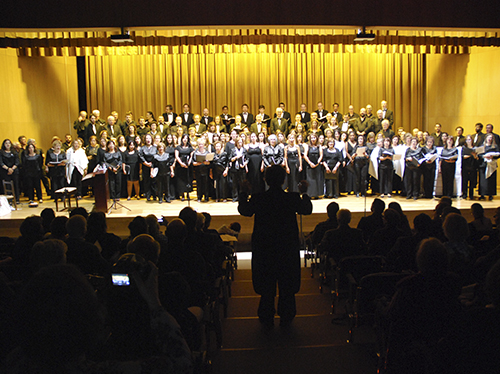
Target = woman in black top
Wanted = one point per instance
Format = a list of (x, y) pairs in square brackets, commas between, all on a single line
[(131, 133), (219, 172), (183, 156), (332, 159), (113, 162), (55, 166), (32, 170), (488, 185), (9, 166), (201, 170), (293, 164), (239, 166), (91, 153), (429, 167), (469, 168), (165, 164), (447, 164), (350, 173), (314, 157), (255, 165), (385, 168), (361, 164), (412, 169), (170, 149), (148, 150), (131, 167)]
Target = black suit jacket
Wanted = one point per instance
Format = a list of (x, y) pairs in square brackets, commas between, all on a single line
[(202, 128), (254, 129), (342, 242), (325, 112), (206, 120), (390, 116), (338, 116), (165, 117), (305, 118), (250, 119), (275, 126), (189, 121), (480, 139), (227, 122), (117, 131), (286, 116), (89, 131)]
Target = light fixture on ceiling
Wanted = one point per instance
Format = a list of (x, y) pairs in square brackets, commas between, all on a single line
[(363, 36)]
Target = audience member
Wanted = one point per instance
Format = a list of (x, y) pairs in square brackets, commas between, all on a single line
[(384, 238), (368, 225), (322, 227), (97, 234)]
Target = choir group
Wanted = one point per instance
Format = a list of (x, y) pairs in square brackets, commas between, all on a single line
[(160, 159)]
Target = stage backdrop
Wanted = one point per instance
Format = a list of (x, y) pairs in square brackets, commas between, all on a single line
[(213, 76)]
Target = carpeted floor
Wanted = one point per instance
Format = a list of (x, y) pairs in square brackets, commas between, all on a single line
[(311, 345)]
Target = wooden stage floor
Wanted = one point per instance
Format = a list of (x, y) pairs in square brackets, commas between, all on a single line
[(225, 213)]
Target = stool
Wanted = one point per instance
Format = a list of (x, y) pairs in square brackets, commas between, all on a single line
[(65, 195), (10, 194)]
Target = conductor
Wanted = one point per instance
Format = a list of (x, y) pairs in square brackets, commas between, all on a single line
[(275, 245)]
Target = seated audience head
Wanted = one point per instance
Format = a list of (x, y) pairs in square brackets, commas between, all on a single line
[(200, 221), (189, 216), (391, 217), (138, 226), (450, 209), (344, 216), (275, 176), (455, 228), (79, 211), (432, 257), (208, 219), (477, 210), (153, 225), (59, 319), (446, 200), (76, 227), (32, 229), (46, 253), (235, 226), (146, 246), (58, 228), (96, 223), (176, 232), (332, 210), (378, 206), (422, 224), (48, 216)]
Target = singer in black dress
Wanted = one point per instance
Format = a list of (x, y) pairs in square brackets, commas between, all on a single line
[(293, 164), (165, 164), (219, 172), (183, 156), (9, 166), (429, 168), (148, 150), (314, 156), (113, 162), (361, 164), (55, 164), (332, 159), (255, 165), (385, 168), (488, 185), (469, 168), (412, 170), (447, 165), (132, 160), (201, 171), (32, 170), (239, 167)]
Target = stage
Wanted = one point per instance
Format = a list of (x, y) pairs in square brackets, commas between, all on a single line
[(225, 213)]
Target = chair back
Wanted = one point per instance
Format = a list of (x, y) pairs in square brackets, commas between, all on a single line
[(8, 190)]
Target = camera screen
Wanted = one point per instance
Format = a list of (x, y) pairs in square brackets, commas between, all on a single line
[(120, 279)]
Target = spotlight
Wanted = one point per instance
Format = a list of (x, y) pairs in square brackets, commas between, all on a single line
[(363, 36)]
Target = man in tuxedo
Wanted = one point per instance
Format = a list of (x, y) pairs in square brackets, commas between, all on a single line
[(246, 117), (459, 138), (206, 119), (279, 123), (199, 127), (80, 125), (306, 117), (388, 114), (478, 137), (321, 112), (97, 115), (376, 125), (265, 117), (489, 130), (226, 118), (128, 121), (169, 115), (162, 127), (118, 122), (335, 113), (351, 113), (113, 129), (256, 128), (286, 115), (386, 131), (438, 141), (93, 129), (187, 118), (178, 124)]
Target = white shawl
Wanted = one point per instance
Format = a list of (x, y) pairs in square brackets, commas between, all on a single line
[(75, 159)]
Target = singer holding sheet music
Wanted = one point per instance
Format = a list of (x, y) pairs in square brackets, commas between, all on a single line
[(385, 168), (469, 168), (314, 172), (361, 164), (447, 165), (131, 168), (413, 157), (239, 166), (113, 162), (163, 167), (220, 167), (148, 150), (201, 163), (183, 156), (487, 168), (429, 167)]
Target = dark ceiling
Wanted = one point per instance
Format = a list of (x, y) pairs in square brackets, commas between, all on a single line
[(114, 13)]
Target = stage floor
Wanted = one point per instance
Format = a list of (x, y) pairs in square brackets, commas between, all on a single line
[(225, 213)]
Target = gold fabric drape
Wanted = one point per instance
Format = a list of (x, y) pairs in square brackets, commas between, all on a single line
[(258, 76)]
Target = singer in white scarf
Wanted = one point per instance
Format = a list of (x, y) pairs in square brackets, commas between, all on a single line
[(76, 166)]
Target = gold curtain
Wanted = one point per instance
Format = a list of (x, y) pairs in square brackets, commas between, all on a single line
[(258, 75)]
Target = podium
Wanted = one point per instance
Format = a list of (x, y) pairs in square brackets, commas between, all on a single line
[(101, 191)]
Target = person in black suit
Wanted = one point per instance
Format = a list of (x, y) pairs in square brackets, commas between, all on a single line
[(335, 113), (343, 241), (459, 138), (80, 125), (199, 127), (286, 115), (169, 114), (437, 135), (279, 123), (496, 138), (256, 128), (266, 120), (275, 244), (187, 118), (321, 112), (351, 113), (93, 129), (226, 118), (246, 117), (114, 130), (388, 114), (206, 118), (306, 117), (478, 137)]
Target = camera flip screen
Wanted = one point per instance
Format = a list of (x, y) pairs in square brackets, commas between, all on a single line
[(120, 279)]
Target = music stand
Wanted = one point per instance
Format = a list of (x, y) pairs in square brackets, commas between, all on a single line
[(114, 206)]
